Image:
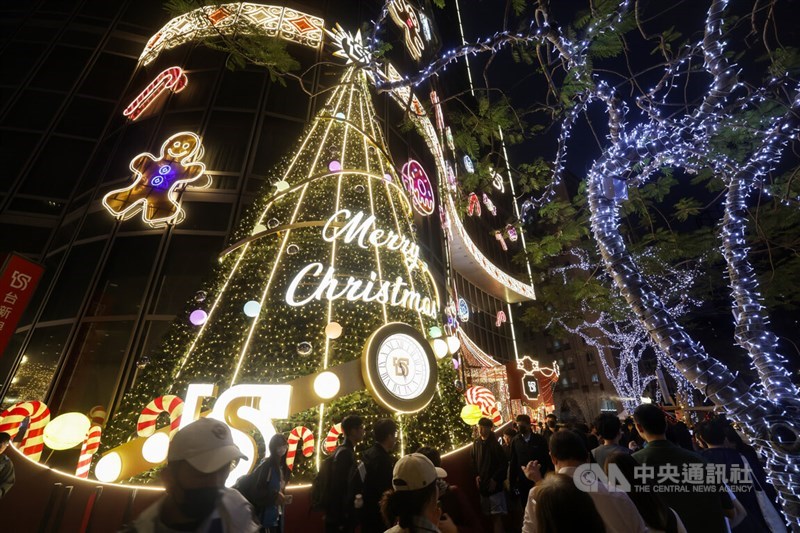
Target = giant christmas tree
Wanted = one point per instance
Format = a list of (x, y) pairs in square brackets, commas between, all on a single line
[(329, 247)]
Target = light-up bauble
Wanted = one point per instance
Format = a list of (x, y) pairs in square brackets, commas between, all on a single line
[(471, 414), (154, 449), (198, 317), (439, 348), (399, 368), (455, 363), (333, 330), (463, 310), (340, 116), (468, 166), (108, 468), (157, 180), (252, 308), (66, 431), (326, 385), (416, 182), (335, 166), (281, 185), (258, 228), (453, 344), (434, 332), (304, 348)]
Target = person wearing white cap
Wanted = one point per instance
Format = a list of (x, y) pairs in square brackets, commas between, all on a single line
[(413, 504), (199, 460)]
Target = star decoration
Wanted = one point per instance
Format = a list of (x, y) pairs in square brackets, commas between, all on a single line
[(527, 364), (351, 47)]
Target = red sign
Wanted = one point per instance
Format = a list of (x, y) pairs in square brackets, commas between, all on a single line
[(18, 280)]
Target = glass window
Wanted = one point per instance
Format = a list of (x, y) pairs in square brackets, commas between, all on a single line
[(134, 141), (240, 89), (120, 289), (97, 223), (38, 365), (82, 36), (278, 136), (70, 289), (24, 239), (97, 360), (85, 117), (108, 77), (61, 68), (58, 167), (226, 140), (189, 261), (33, 110), (595, 378), (148, 14), (18, 59), (176, 122), (36, 205), (197, 93), (15, 149), (8, 360), (289, 100), (214, 216), (203, 57)]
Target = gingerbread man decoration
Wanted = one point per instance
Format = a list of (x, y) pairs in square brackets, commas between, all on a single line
[(158, 180)]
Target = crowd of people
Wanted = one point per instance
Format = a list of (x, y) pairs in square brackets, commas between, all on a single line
[(643, 474)]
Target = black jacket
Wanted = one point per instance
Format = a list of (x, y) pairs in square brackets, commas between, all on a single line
[(379, 465), (340, 510), (522, 452), (6, 475), (489, 462)]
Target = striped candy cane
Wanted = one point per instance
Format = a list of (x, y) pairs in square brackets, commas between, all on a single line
[(332, 440), (496, 417), (295, 436), (12, 418), (172, 405), (98, 415), (90, 446)]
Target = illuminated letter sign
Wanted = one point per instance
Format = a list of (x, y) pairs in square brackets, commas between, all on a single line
[(172, 79), (530, 387), (419, 186), (157, 181), (405, 16)]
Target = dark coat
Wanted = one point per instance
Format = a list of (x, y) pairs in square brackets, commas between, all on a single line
[(522, 452), (340, 511), (6, 475), (379, 465), (489, 463)]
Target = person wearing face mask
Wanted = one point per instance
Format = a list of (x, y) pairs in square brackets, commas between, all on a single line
[(273, 479), (198, 463), (551, 426)]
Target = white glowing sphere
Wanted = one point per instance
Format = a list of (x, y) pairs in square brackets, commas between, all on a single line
[(66, 431), (108, 468), (252, 308), (333, 330), (154, 449), (439, 348), (281, 185), (326, 385), (258, 229), (453, 344)]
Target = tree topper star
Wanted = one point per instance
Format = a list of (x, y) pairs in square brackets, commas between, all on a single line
[(351, 47)]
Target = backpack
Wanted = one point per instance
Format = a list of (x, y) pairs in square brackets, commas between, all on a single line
[(320, 487), (253, 486)]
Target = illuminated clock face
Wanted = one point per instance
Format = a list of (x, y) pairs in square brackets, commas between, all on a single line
[(399, 368)]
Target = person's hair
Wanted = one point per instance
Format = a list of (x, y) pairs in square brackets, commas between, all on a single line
[(383, 429), (651, 418), (551, 415), (403, 505), (732, 435), (276, 442), (712, 432), (607, 426), (679, 434), (524, 418), (486, 422), (431, 453), (654, 511), (566, 445), (563, 507), (350, 423), (511, 432), (4, 437)]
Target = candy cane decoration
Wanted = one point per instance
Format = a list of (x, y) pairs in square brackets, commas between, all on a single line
[(474, 206), (12, 418), (90, 446), (489, 205), (98, 415), (295, 436), (497, 419), (501, 240), (171, 79), (332, 440), (501, 318), (169, 404)]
